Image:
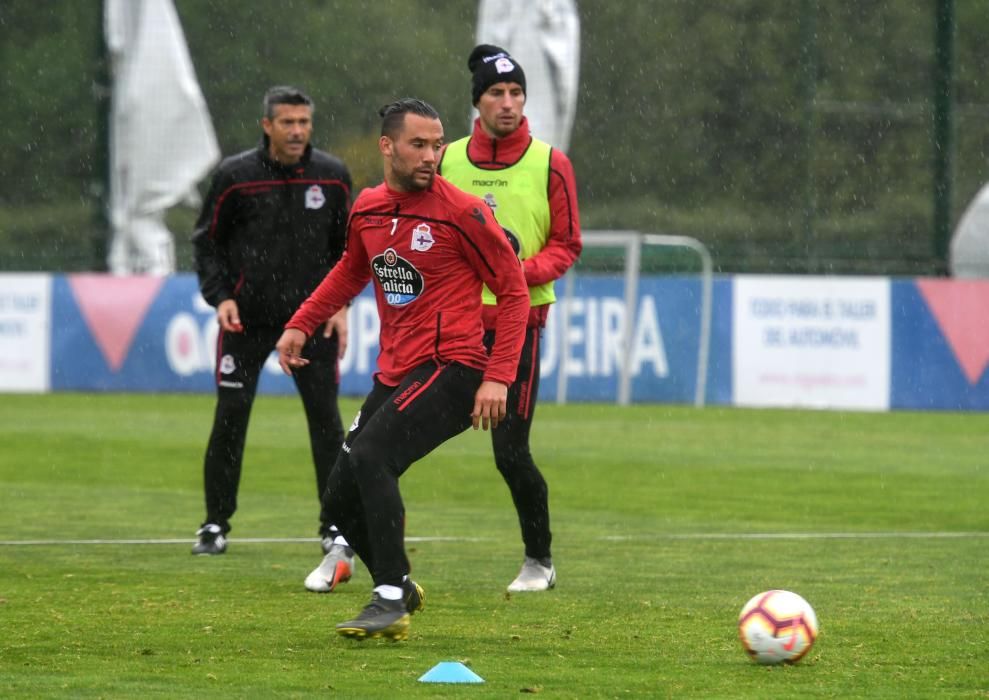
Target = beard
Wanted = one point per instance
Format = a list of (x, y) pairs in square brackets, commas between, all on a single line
[(409, 182)]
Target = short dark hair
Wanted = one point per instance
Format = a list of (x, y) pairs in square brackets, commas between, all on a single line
[(284, 95), (393, 114)]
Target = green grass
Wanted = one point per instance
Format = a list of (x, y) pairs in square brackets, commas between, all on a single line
[(886, 517)]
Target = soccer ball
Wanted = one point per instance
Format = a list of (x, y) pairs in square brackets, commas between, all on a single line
[(777, 627)]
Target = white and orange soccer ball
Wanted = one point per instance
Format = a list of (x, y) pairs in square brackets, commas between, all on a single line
[(777, 627)]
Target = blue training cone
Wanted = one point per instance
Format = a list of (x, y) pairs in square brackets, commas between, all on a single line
[(450, 672)]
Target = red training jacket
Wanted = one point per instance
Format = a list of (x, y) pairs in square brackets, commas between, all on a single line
[(564, 244), (428, 253)]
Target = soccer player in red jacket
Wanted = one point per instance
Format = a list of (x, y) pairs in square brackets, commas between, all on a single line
[(428, 247)]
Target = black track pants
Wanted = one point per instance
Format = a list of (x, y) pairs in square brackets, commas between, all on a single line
[(395, 427), (239, 360), (512, 455)]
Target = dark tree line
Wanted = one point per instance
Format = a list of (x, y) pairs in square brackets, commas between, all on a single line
[(789, 137)]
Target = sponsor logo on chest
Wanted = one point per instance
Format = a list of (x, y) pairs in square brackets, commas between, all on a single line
[(400, 281)]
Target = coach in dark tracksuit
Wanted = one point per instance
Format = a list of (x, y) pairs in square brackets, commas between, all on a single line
[(272, 226)]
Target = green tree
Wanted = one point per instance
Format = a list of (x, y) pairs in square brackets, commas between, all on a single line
[(691, 116)]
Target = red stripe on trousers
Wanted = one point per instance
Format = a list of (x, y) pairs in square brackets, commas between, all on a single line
[(421, 389), (525, 400)]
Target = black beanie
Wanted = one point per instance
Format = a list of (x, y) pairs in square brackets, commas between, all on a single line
[(490, 65)]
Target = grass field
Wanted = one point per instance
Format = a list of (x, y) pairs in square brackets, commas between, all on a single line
[(666, 520)]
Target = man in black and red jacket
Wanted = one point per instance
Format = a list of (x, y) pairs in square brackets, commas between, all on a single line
[(272, 226)]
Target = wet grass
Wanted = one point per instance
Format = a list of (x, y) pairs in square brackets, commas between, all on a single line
[(666, 520)]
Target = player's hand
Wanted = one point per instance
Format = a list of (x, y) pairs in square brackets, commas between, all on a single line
[(338, 324), (289, 348), (228, 316), (490, 405)]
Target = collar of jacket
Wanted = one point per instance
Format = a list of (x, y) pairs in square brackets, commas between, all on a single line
[(484, 149)]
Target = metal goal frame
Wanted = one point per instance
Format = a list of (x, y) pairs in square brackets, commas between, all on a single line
[(632, 242)]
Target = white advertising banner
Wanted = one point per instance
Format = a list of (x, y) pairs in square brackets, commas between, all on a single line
[(818, 342), (25, 319)]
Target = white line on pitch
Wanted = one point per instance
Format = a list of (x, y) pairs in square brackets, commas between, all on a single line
[(238, 540), (605, 538), (793, 536)]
